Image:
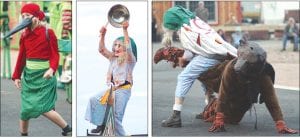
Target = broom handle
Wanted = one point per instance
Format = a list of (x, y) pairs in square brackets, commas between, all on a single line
[(106, 24)]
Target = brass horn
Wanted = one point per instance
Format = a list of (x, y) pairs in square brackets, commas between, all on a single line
[(117, 15)]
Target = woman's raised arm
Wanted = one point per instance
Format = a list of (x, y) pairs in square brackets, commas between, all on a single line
[(102, 49), (130, 56)]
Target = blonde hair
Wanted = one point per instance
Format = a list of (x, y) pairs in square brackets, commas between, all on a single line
[(167, 38), (122, 58), (39, 22)]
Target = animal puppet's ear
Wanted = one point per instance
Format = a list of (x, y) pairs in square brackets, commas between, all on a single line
[(243, 42)]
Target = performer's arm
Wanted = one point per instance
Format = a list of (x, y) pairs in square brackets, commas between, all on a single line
[(225, 86), (188, 55), (125, 32), (130, 56), (102, 49), (54, 58), (271, 101), (21, 61), (227, 77), (270, 98), (184, 60)]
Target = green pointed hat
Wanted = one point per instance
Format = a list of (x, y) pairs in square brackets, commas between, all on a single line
[(176, 16)]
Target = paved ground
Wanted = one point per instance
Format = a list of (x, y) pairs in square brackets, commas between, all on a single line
[(10, 109), (286, 65)]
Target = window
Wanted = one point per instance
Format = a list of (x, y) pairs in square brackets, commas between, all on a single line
[(181, 3), (193, 5), (212, 10)]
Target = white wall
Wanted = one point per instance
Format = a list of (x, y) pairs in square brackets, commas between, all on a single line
[(273, 12)]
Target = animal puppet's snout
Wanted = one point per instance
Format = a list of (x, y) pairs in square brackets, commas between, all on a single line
[(239, 65)]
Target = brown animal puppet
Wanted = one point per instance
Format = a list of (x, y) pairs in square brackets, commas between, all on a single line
[(243, 80), (170, 54)]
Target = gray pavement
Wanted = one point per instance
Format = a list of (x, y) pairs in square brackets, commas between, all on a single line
[(10, 109), (164, 79)]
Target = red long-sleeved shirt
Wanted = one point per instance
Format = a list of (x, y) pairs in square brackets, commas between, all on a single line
[(35, 45)]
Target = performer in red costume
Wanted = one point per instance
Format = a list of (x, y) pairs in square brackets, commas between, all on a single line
[(37, 60)]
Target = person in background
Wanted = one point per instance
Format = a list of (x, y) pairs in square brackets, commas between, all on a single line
[(291, 31), (222, 34), (154, 29), (237, 36), (202, 12)]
